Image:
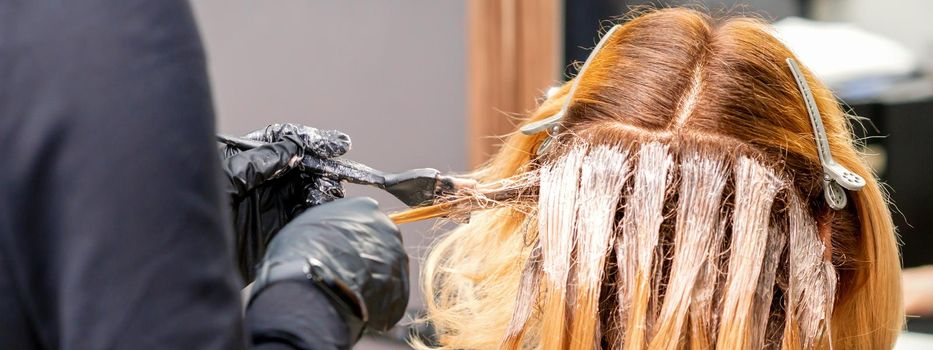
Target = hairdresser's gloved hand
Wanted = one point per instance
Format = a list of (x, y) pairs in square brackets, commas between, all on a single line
[(350, 250), (265, 190), (323, 143)]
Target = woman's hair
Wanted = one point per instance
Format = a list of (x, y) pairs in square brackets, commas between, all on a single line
[(679, 204)]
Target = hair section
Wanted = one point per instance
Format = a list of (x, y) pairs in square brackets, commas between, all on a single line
[(679, 206)]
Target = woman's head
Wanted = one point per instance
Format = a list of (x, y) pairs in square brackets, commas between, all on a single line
[(679, 203)]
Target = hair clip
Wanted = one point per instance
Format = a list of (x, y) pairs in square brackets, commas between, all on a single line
[(550, 123), (836, 177)]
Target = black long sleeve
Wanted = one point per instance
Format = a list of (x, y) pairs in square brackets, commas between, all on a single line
[(296, 315), (113, 231)]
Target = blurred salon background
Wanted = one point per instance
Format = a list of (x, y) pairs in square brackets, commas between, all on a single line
[(427, 83)]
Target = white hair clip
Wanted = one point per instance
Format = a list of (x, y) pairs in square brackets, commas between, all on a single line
[(836, 177), (550, 123)]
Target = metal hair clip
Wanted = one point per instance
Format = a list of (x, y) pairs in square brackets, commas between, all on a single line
[(836, 177), (550, 123)]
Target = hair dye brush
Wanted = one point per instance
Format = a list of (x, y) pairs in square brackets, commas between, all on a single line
[(415, 187)]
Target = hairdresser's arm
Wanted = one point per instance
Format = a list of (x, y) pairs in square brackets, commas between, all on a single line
[(296, 315), (289, 315), (335, 269)]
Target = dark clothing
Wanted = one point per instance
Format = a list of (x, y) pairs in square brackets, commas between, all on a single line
[(273, 320), (113, 230)]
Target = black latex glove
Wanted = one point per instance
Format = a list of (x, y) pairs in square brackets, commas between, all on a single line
[(265, 191), (353, 252)]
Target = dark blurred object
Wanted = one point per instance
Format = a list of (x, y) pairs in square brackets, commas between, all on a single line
[(898, 134), (900, 128), (583, 18), (112, 233)]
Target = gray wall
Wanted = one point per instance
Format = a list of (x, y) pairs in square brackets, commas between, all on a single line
[(390, 73), (906, 21)]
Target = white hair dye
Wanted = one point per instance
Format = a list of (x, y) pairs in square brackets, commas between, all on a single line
[(529, 288), (812, 280), (557, 221), (765, 290), (603, 176), (755, 189), (725, 241), (636, 253), (704, 318), (702, 180)]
